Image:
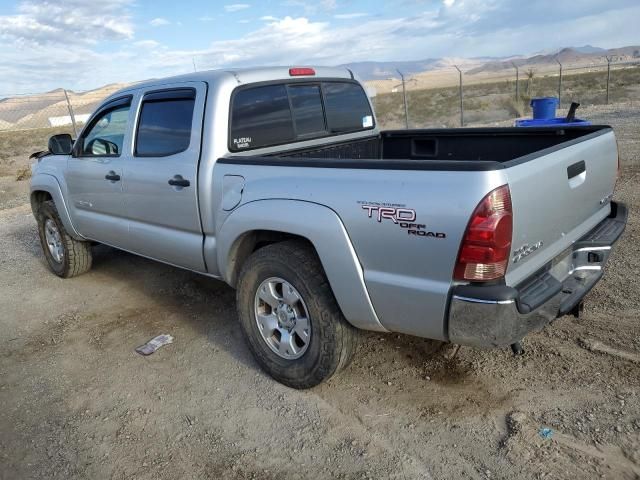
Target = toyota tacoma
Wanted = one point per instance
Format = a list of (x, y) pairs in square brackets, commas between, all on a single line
[(279, 182)]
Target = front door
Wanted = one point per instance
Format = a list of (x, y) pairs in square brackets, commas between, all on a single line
[(94, 174), (160, 178)]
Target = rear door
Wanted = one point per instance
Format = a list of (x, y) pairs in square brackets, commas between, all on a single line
[(94, 174), (160, 184), (557, 198)]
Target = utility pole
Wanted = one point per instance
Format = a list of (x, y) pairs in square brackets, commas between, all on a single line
[(73, 118), (517, 80), (609, 59), (404, 97), (461, 97), (559, 84), (193, 59)]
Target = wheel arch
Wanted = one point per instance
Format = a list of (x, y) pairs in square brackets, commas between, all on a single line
[(252, 226), (46, 187)]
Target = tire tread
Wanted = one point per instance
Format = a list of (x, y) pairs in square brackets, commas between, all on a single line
[(340, 343), (78, 253)]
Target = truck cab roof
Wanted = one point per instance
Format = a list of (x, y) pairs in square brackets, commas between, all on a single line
[(238, 76)]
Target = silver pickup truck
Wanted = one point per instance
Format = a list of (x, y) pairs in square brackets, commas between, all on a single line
[(278, 182)]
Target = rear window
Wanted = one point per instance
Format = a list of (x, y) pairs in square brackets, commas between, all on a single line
[(261, 116), (347, 107), (271, 115), (306, 103)]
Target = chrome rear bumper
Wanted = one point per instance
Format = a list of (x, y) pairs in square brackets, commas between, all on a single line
[(498, 315)]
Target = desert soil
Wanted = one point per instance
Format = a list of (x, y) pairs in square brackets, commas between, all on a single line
[(78, 402)]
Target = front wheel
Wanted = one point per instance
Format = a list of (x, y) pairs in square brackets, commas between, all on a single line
[(289, 315), (66, 256)]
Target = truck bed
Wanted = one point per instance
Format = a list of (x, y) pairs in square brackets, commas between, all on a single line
[(437, 149), (560, 179)]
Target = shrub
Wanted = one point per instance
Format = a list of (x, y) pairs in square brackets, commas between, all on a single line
[(23, 173)]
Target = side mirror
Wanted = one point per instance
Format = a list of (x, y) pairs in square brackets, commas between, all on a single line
[(61, 144), (100, 147)]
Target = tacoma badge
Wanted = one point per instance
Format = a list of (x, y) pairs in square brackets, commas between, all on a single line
[(526, 250)]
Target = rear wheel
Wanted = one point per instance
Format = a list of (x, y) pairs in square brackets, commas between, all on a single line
[(66, 256), (290, 317)]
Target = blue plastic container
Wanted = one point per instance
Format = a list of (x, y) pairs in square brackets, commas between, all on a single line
[(544, 107), (552, 122)]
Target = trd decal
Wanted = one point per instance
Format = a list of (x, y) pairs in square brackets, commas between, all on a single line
[(394, 214), (419, 230), (401, 216)]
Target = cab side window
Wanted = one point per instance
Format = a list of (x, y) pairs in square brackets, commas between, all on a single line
[(165, 123), (105, 136)]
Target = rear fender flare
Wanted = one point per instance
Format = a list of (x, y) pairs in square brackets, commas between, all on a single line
[(324, 229)]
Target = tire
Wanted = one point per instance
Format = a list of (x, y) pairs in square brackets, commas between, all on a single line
[(71, 257), (332, 340)]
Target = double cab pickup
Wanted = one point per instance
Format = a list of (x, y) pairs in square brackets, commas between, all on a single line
[(279, 182)]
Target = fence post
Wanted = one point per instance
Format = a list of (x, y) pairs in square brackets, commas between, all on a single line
[(73, 118), (517, 81), (559, 84), (404, 99), (461, 98), (608, 76)]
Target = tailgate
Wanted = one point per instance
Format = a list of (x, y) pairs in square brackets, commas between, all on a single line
[(558, 197)]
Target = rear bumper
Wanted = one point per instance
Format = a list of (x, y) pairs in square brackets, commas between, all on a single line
[(498, 315)]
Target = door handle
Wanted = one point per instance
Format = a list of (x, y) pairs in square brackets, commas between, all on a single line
[(576, 169), (178, 181), (112, 176)]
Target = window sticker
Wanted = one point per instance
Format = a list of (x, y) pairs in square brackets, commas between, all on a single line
[(243, 142), (367, 121)]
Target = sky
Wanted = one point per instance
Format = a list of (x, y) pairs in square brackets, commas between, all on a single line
[(83, 44)]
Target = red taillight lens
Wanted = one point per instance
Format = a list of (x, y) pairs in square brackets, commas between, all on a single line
[(301, 71), (486, 245)]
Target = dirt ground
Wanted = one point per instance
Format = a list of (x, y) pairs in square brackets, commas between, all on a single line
[(78, 402)]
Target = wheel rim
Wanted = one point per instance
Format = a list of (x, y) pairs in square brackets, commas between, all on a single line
[(282, 318), (54, 240)]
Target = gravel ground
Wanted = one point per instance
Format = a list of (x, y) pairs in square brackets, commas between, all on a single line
[(79, 403)]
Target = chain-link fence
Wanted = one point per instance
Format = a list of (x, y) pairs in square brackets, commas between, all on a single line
[(56, 109), (460, 97), (444, 98), (27, 121)]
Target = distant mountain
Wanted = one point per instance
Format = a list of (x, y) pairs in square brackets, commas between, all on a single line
[(34, 111), (383, 70), (570, 55), (589, 49)]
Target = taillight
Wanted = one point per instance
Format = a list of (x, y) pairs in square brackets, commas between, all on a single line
[(301, 71), (486, 245)]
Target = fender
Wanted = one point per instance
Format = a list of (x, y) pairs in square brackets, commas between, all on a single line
[(43, 182), (324, 229)]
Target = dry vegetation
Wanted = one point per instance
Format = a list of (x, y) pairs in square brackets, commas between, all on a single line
[(494, 102), (16, 146)]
